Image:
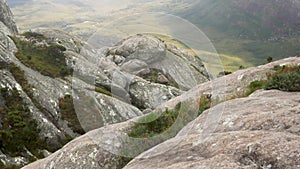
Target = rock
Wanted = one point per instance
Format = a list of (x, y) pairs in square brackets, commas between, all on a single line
[(116, 58), (6, 17), (253, 132), (162, 79), (135, 66), (187, 71), (87, 151)]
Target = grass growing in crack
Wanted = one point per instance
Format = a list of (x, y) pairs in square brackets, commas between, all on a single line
[(204, 103), (154, 124), (68, 113)]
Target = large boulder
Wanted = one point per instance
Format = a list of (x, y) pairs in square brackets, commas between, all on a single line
[(260, 131), (185, 69)]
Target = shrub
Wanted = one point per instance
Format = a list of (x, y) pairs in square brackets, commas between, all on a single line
[(18, 129), (285, 78)]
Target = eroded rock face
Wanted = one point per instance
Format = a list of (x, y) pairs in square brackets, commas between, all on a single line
[(6, 17), (260, 131), (105, 90), (147, 51)]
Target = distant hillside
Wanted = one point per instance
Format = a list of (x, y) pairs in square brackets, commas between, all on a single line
[(246, 19), (250, 29)]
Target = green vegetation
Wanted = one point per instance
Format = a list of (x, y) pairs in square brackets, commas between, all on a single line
[(204, 103), (68, 113), (18, 130), (34, 35), (154, 124), (21, 79), (123, 161), (255, 85), (285, 78), (103, 90), (244, 34), (49, 60), (269, 59), (2, 166)]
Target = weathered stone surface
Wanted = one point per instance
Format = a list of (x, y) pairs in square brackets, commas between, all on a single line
[(6, 17), (186, 70), (231, 86), (90, 70), (87, 151), (261, 131)]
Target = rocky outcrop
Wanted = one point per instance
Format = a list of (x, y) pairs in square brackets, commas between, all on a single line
[(6, 17), (147, 51), (261, 130), (103, 90)]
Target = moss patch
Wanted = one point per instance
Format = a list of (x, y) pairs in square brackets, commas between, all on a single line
[(49, 60), (68, 113)]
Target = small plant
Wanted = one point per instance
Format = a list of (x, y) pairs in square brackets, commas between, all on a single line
[(69, 114), (204, 103), (241, 67), (255, 85), (269, 59)]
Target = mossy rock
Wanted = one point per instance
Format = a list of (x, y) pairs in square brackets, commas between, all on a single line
[(49, 60)]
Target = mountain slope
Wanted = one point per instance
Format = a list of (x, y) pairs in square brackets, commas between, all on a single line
[(249, 29), (246, 19)]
